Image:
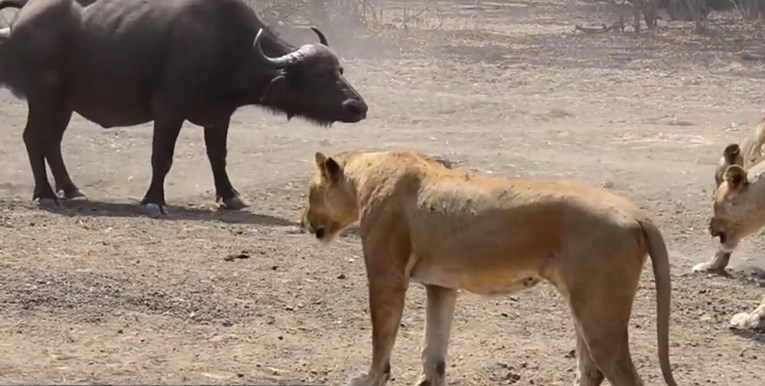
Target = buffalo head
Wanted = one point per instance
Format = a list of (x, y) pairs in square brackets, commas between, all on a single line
[(309, 83)]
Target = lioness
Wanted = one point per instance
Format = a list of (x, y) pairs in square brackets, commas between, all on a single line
[(451, 230), (738, 209)]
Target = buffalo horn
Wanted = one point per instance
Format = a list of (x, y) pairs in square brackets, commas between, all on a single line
[(282, 61), (5, 33), (322, 38)]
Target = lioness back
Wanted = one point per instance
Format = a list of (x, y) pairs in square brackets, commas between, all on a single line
[(492, 216)]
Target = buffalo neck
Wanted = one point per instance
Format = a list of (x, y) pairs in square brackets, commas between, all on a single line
[(256, 74)]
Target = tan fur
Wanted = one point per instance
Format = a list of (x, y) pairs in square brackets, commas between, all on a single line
[(737, 213), (451, 230)]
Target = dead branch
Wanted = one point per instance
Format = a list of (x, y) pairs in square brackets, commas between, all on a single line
[(599, 30), (752, 57)]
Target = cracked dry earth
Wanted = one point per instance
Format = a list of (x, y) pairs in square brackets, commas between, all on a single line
[(95, 292)]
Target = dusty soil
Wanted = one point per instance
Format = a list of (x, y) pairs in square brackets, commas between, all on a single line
[(95, 292)]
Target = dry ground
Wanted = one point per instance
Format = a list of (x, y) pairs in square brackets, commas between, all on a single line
[(97, 293)]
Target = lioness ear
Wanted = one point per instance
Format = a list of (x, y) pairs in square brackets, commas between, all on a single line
[(332, 170), (731, 153), (735, 176)]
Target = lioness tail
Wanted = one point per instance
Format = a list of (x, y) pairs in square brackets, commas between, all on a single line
[(657, 249)]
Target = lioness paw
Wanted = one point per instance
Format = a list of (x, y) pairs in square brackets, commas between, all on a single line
[(360, 379), (709, 267), (749, 321)]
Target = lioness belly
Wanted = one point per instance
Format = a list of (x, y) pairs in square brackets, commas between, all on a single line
[(479, 282)]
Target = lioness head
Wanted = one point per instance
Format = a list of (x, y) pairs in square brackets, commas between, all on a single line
[(332, 202), (735, 215), (731, 156)]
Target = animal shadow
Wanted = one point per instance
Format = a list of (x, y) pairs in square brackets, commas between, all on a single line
[(756, 336), (89, 207)]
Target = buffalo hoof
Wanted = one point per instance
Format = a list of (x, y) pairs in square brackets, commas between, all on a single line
[(233, 203), (48, 203), (74, 195), (424, 382), (155, 210), (709, 267)]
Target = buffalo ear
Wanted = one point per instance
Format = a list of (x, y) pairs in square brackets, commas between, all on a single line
[(731, 153), (735, 176), (330, 169)]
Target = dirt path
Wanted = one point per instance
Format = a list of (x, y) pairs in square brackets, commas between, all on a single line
[(98, 293)]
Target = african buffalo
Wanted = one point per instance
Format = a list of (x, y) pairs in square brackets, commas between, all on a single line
[(128, 62)]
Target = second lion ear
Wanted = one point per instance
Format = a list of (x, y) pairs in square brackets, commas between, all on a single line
[(735, 176), (319, 157), (731, 154)]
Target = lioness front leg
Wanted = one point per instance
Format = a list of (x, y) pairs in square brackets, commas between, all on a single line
[(439, 313), (716, 265), (387, 291)]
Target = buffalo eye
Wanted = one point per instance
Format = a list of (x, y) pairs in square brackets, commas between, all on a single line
[(341, 70)]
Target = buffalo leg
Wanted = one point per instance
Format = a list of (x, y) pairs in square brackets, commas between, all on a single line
[(694, 6), (42, 117), (225, 195), (164, 136), (56, 160)]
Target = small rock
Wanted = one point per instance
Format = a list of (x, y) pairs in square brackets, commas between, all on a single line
[(512, 378), (341, 276), (235, 256)]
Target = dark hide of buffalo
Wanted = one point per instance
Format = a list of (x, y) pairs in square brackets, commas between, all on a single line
[(128, 62)]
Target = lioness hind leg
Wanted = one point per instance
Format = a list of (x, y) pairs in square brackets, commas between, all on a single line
[(601, 293), (587, 372), (439, 313), (608, 343), (601, 309)]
